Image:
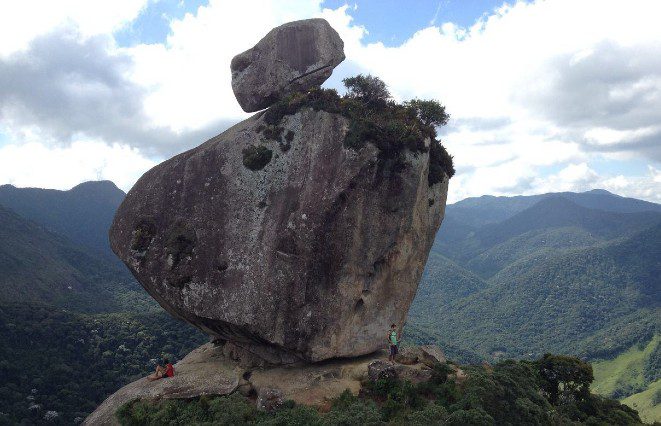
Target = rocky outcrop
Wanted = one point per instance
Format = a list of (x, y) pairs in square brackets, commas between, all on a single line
[(294, 235), (208, 371), (205, 371), (293, 249), (290, 58)]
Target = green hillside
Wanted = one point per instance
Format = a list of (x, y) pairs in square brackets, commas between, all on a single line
[(74, 324), (551, 213), (627, 373), (553, 301), (38, 266), (500, 256), (82, 214), (647, 403), (478, 211), (550, 275)]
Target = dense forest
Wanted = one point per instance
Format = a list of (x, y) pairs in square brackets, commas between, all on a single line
[(64, 363), (74, 324)]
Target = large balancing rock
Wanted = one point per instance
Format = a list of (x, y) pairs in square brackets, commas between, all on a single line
[(293, 57), (297, 249)]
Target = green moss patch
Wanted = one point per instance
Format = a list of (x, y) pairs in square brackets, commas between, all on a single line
[(142, 235), (256, 157), (180, 243)]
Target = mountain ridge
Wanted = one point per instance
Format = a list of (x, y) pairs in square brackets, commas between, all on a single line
[(80, 213)]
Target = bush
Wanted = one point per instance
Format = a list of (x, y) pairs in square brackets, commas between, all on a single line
[(565, 378), (473, 417), (430, 112), (294, 416), (256, 157), (351, 413), (432, 414)]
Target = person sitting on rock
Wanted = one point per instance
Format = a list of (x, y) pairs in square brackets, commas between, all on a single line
[(162, 372), (393, 337)]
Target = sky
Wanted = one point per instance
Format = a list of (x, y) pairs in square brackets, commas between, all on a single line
[(544, 96)]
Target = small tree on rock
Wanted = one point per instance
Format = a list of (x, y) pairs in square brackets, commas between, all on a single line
[(368, 89), (430, 112)]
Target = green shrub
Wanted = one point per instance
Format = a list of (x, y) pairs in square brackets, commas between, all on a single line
[(352, 413), (472, 417), (293, 416), (565, 378), (232, 410), (367, 89), (431, 414), (430, 112), (256, 157)]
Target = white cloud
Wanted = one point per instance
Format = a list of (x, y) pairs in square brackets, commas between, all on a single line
[(554, 83), (24, 20), (37, 165)]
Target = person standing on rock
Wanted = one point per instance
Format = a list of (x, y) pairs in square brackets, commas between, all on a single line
[(393, 339)]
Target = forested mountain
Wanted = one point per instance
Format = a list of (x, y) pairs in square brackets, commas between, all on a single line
[(39, 266), (517, 277), (477, 211), (74, 323), (82, 214)]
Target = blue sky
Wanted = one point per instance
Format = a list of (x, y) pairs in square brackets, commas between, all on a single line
[(390, 22), (545, 96), (153, 24)]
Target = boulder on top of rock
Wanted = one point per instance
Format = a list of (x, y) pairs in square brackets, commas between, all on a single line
[(299, 234), (292, 57), (308, 255)]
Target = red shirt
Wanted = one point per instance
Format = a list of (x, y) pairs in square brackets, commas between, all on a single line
[(169, 370)]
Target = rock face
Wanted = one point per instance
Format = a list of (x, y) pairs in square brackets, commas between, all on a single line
[(292, 57), (310, 257), (205, 371)]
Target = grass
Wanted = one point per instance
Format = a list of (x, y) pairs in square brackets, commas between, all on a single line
[(623, 375), (647, 403)]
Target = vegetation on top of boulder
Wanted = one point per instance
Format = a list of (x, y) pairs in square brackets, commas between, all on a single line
[(512, 392), (377, 119), (368, 89)]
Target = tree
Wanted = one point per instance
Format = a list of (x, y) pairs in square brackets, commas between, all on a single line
[(565, 376), (368, 89), (430, 112)]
